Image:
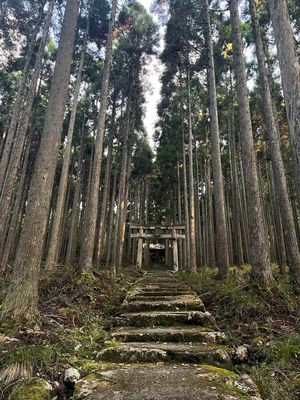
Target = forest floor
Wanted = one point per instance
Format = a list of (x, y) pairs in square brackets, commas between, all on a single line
[(77, 313)]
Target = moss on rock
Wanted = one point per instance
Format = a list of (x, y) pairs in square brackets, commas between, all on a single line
[(33, 389), (219, 371)]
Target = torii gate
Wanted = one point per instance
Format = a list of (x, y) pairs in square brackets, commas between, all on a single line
[(142, 232)]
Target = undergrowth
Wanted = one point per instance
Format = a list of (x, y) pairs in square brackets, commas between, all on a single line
[(76, 311), (266, 321)]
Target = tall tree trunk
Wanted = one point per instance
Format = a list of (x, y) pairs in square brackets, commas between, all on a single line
[(13, 224), (72, 242), (124, 211), (21, 300), (289, 231), (22, 89), (186, 208), (236, 209), (106, 189), (193, 260), (89, 229), (280, 243), (122, 186), (110, 224), (179, 206), (62, 190), (259, 246), (290, 76), (20, 136), (222, 257)]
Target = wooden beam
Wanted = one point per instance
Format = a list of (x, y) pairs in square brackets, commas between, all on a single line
[(136, 226), (162, 237)]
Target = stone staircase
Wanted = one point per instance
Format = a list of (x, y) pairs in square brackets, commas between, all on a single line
[(165, 345)]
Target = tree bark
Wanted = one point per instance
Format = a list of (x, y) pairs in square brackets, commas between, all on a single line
[(289, 230), (186, 208), (10, 136), (21, 300), (122, 187), (23, 123), (110, 223), (193, 260), (89, 229), (259, 246), (290, 76), (222, 257), (62, 190), (106, 189)]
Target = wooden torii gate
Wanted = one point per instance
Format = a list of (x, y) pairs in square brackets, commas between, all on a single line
[(142, 233)]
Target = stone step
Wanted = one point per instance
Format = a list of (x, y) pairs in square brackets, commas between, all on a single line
[(167, 352), (171, 334), (166, 318), (163, 292), (166, 382), (186, 303), (138, 297), (163, 284)]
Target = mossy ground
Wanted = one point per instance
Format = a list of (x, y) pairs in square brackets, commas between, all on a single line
[(265, 320), (76, 314)]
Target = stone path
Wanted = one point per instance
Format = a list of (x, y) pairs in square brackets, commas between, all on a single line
[(166, 346)]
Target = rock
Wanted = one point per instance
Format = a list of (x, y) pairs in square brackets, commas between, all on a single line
[(241, 354), (33, 389), (165, 382), (71, 375), (246, 385), (134, 352), (87, 386)]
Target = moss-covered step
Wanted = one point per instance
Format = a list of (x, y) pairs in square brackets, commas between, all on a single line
[(169, 334), (166, 382), (188, 302), (170, 352), (166, 318)]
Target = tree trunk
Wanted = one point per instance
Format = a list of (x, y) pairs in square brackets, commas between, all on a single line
[(72, 242), (110, 224), (236, 209), (10, 238), (10, 135), (22, 297), (89, 229), (222, 258), (106, 189), (124, 211), (289, 231), (290, 76), (122, 187), (20, 137), (193, 260), (186, 208), (62, 190), (259, 246)]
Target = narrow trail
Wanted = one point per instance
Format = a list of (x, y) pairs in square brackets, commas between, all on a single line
[(165, 345)]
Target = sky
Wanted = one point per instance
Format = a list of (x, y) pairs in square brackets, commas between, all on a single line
[(152, 78)]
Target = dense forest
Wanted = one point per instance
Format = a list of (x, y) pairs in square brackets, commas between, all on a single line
[(79, 171)]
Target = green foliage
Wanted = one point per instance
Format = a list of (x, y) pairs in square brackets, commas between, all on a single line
[(142, 159), (39, 356)]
